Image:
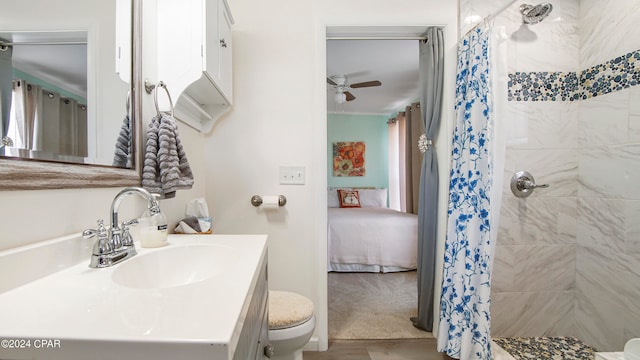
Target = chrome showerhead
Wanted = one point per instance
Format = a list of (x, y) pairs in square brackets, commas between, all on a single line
[(535, 14)]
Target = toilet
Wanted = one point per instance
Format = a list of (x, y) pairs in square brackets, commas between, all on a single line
[(291, 324)]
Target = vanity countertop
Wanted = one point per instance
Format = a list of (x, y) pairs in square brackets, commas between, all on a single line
[(81, 313)]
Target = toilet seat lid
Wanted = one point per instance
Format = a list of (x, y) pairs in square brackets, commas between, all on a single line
[(287, 309)]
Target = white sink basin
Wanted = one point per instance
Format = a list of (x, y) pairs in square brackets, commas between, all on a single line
[(177, 265), (187, 300)]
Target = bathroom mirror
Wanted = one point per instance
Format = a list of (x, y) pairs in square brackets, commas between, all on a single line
[(77, 58)]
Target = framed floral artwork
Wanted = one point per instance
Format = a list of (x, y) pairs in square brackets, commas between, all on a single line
[(348, 158)]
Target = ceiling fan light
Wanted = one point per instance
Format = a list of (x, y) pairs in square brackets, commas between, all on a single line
[(340, 97)]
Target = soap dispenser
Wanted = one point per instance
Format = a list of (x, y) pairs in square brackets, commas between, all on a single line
[(153, 228)]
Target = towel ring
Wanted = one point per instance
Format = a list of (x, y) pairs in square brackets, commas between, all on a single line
[(155, 97)]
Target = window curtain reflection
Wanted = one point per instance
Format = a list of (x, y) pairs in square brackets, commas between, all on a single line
[(42, 120), (5, 93), (24, 113), (73, 128)]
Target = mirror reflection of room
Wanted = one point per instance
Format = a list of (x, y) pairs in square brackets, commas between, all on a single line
[(51, 62), (48, 86)]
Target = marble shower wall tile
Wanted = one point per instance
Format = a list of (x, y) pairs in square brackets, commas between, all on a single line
[(610, 172), (598, 321), (546, 46), (548, 124), (528, 221), (502, 274), (567, 220), (601, 223), (525, 268), (600, 304), (604, 120), (621, 20), (529, 314), (634, 113), (632, 232), (631, 294), (545, 268)]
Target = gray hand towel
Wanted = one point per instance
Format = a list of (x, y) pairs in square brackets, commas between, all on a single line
[(166, 168)]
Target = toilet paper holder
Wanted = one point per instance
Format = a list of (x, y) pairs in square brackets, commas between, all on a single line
[(256, 200)]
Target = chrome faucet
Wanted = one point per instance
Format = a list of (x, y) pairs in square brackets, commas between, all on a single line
[(116, 244)]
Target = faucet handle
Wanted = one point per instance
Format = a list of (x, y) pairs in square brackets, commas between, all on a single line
[(125, 224), (100, 231), (102, 246), (127, 240)]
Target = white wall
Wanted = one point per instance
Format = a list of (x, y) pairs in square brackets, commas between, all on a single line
[(279, 118)]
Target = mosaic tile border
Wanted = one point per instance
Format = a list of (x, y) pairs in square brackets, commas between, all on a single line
[(548, 348), (543, 86), (614, 75)]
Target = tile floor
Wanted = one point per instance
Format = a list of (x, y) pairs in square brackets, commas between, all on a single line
[(404, 349)]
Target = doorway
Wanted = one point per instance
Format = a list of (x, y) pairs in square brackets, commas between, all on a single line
[(364, 303)]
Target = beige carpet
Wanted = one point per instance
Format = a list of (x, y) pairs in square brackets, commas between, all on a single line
[(373, 306)]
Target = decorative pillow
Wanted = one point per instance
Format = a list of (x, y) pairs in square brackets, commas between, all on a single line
[(332, 198), (349, 198), (373, 197)]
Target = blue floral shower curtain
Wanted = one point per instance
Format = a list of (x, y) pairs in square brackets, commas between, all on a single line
[(464, 331)]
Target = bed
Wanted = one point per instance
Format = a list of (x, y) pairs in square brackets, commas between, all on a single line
[(366, 236)]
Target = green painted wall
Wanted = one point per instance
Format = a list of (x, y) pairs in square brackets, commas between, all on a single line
[(372, 129)]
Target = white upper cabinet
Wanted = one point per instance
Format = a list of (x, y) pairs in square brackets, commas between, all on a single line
[(195, 59), (218, 45)]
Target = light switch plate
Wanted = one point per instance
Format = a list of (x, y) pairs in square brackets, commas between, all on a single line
[(291, 175)]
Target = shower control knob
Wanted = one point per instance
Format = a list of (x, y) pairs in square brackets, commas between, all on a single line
[(268, 351), (523, 184)]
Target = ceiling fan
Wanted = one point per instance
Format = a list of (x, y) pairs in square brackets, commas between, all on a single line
[(342, 86)]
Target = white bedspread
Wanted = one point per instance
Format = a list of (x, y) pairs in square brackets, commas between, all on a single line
[(372, 237)]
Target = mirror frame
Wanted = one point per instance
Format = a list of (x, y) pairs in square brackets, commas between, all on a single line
[(16, 174)]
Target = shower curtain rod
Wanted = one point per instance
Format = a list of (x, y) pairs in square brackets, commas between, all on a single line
[(492, 16)]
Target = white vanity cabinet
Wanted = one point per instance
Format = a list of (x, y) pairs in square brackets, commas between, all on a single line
[(194, 54), (255, 331)]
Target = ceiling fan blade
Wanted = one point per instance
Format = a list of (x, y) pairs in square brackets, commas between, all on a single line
[(365, 84), (331, 82), (349, 96)]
